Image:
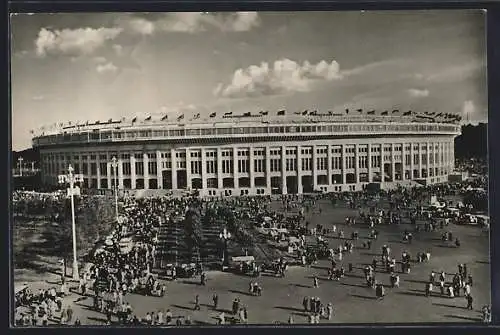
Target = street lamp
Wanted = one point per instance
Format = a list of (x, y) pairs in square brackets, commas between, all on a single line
[(225, 236), (71, 179), (20, 160), (114, 163)]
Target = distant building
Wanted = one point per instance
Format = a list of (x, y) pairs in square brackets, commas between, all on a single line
[(253, 155)]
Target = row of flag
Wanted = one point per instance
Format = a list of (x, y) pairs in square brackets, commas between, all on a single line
[(431, 116)]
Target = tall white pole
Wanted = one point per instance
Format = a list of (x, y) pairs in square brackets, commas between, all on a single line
[(20, 166), (115, 172), (73, 226)]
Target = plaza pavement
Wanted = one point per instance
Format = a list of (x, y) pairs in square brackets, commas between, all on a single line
[(353, 301)]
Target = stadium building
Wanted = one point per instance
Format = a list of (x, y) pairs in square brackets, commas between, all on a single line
[(254, 154)]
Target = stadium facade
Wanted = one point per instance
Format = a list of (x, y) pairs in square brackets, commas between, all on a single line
[(253, 155)]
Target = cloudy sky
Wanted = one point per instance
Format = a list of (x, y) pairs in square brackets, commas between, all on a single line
[(78, 67)]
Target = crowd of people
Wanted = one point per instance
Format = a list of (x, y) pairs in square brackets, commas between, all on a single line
[(123, 263)]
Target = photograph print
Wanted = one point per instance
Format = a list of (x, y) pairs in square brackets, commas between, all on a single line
[(228, 168)]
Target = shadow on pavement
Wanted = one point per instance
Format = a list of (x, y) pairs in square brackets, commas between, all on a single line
[(355, 285), (416, 294), (183, 307), (363, 297), (303, 286), (446, 305), (463, 318), (240, 292)]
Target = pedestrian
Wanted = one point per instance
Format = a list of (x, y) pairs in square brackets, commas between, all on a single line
[(197, 303), (305, 304), (315, 282), (290, 318), (350, 267), (469, 301), (215, 300)]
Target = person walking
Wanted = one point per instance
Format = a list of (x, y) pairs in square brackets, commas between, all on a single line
[(469, 301), (215, 300), (197, 303)]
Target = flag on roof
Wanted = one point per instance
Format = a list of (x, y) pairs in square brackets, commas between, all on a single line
[(228, 113), (305, 112), (371, 112), (407, 113), (247, 114), (281, 112), (134, 119), (148, 118), (263, 112), (109, 121), (297, 113), (360, 110), (395, 111), (384, 113), (213, 114), (180, 117), (165, 117), (347, 110), (330, 113), (197, 116)]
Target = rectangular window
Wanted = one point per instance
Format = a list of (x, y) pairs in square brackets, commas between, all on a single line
[(139, 168), (126, 168), (103, 167), (152, 168)]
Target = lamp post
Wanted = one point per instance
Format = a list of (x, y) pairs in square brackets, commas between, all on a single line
[(70, 178), (20, 160), (114, 163), (225, 236)]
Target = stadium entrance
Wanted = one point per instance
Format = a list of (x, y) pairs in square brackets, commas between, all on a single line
[(307, 184), (292, 186)]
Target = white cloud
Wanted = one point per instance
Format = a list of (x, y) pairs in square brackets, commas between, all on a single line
[(417, 93), (468, 108), (141, 26), (108, 67), (283, 76), (99, 59), (118, 49), (193, 22), (73, 42)]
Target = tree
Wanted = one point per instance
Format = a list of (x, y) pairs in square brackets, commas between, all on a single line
[(193, 231)]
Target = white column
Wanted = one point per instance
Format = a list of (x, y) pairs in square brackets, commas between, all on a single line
[(299, 170), (356, 162), (219, 168), (159, 174), (329, 163), (173, 159), (412, 167), (403, 160), (98, 163), (420, 165), (203, 171), (133, 176), (108, 171), (120, 174), (283, 170), (251, 167), (188, 170), (344, 170), (369, 163), (314, 167), (428, 165), (145, 164), (268, 168), (393, 163), (235, 169)]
